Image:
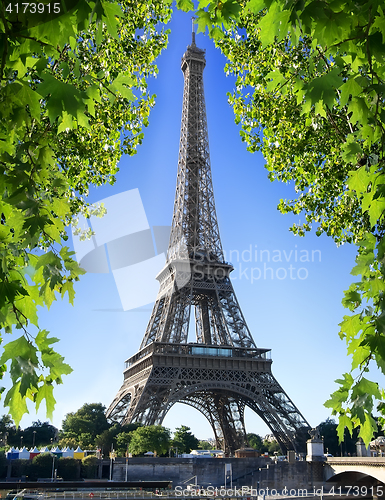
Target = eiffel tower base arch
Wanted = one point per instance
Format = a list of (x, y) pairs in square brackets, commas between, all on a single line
[(219, 387)]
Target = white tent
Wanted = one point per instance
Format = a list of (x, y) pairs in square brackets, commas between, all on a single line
[(68, 452), (24, 453)]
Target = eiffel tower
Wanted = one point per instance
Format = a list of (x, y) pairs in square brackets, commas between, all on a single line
[(223, 371)]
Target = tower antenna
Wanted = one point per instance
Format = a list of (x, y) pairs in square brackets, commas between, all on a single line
[(193, 31)]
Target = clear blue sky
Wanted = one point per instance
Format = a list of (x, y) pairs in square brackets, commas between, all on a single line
[(297, 318)]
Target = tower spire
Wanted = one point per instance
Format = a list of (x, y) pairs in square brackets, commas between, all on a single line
[(193, 32)]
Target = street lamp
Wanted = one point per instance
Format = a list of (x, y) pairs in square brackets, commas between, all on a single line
[(53, 466), (112, 457), (21, 442), (33, 438), (228, 472), (126, 462)]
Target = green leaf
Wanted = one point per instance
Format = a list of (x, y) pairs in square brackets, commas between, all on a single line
[(121, 84), (359, 110), (111, 12), (216, 34), (10, 291), (351, 325), (185, 5), (349, 88), (350, 151), (83, 119), (380, 361), (366, 387), (367, 429), (323, 88), (55, 362), (47, 259), (19, 348), (359, 179), (363, 263), (277, 78), (69, 288), (376, 211), (376, 343), (230, 9), (16, 403), (343, 422), (61, 97), (274, 24), (46, 392), (99, 33), (28, 308), (352, 299), (203, 21), (368, 241), (65, 123), (47, 294), (360, 352), (25, 96), (43, 342), (380, 323), (337, 399), (379, 23), (93, 92), (346, 382), (255, 6)]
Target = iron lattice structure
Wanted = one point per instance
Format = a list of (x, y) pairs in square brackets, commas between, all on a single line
[(224, 371)]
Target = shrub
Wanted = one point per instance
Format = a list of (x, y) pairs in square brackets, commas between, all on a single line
[(3, 464), (20, 467), (89, 467), (68, 468), (41, 466)]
